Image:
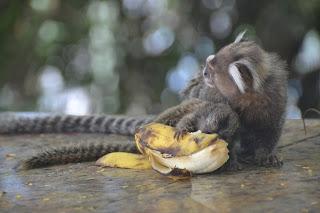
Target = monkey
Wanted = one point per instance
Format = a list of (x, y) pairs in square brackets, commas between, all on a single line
[(254, 84), (241, 76)]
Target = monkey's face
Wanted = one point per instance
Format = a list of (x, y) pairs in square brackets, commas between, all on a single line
[(235, 69)]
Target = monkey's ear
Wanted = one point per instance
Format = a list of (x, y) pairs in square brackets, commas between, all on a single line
[(240, 37), (235, 74), (248, 73)]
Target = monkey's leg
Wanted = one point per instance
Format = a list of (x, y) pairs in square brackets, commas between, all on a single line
[(265, 148), (174, 114), (259, 146), (261, 124), (218, 118), (221, 119), (233, 163)]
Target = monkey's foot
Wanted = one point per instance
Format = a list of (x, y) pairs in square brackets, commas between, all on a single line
[(232, 165), (267, 160)]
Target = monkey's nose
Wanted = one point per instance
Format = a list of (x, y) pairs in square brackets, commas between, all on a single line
[(210, 57)]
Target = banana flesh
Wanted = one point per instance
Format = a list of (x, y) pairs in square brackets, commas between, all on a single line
[(195, 153)]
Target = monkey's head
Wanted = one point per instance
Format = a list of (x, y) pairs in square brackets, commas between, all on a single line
[(237, 68)]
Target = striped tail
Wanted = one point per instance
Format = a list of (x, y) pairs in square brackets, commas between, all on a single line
[(74, 154), (109, 124)]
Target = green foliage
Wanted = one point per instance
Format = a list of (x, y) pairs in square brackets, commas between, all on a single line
[(120, 54)]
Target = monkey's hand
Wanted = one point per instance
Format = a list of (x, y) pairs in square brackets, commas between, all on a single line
[(180, 133), (264, 158), (185, 125)]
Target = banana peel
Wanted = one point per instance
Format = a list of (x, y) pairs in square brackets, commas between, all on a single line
[(124, 160), (195, 153)]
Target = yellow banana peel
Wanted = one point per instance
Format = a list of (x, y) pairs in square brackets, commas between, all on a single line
[(124, 160), (195, 153)]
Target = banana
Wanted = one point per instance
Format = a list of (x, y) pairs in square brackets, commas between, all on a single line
[(195, 153), (124, 160)]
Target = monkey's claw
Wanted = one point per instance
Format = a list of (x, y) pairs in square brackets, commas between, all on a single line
[(233, 165), (269, 160), (179, 134)]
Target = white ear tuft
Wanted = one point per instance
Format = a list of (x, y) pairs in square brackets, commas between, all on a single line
[(237, 78), (256, 80), (240, 36)]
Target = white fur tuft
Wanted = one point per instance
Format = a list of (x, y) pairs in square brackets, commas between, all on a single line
[(236, 76), (240, 36), (256, 79)]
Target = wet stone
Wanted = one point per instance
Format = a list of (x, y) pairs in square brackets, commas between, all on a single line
[(84, 187)]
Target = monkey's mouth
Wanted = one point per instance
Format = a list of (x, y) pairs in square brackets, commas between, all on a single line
[(208, 82)]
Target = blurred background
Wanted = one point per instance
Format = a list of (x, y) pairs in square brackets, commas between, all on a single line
[(134, 56)]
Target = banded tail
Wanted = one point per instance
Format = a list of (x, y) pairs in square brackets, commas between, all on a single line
[(108, 124), (74, 154)]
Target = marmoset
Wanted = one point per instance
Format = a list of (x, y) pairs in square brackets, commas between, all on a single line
[(240, 93), (254, 82)]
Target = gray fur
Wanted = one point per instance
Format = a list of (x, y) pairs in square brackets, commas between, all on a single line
[(107, 124), (74, 154)]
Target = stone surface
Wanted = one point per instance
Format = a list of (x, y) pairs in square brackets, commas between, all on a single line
[(86, 188)]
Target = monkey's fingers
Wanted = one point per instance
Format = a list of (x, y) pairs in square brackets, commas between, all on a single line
[(179, 134), (270, 160), (232, 165), (274, 161)]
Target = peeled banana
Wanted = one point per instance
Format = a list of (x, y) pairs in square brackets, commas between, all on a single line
[(124, 160), (195, 153)]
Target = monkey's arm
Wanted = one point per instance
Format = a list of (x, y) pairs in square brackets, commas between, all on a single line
[(221, 119), (174, 114), (211, 118)]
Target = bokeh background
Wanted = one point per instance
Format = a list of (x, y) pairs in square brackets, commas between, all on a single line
[(134, 56)]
